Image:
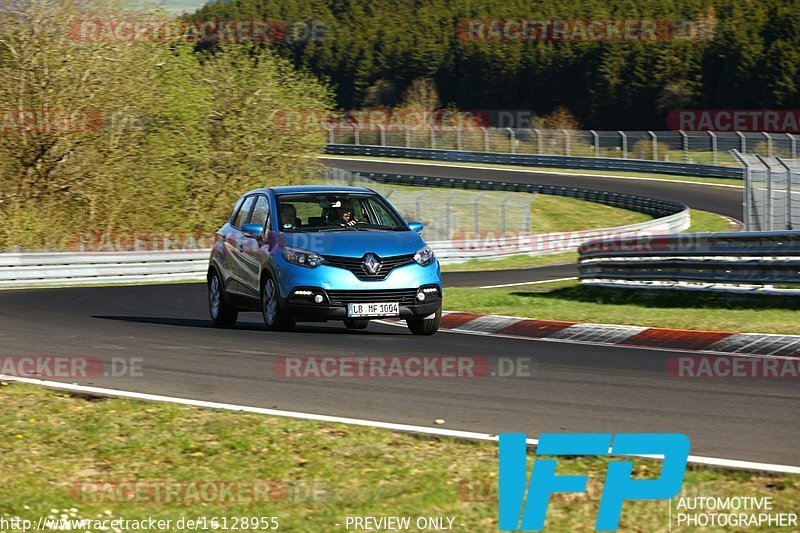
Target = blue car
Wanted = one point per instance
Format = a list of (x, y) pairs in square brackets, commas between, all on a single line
[(309, 253)]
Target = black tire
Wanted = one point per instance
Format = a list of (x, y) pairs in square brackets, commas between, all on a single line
[(274, 317), (425, 326), (223, 314), (356, 323)]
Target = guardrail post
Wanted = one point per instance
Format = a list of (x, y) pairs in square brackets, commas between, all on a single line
[(433, 138), (459, 144), (357, 133), (503, 216), (742, 142), (624, 142), (770, 222), (513, 137), (685, 145), (738, 156), (769, 143), (789, 203), (417, 210), (566, 142), (331, 139), (596, 140), (793, 145), (447, 216), (713, 146), (539, 141), (407, 132), (485, 139), (655, 145), (476, 212), (383, 134)]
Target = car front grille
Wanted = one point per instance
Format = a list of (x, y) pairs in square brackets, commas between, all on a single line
[(403, 296), (355, 265)]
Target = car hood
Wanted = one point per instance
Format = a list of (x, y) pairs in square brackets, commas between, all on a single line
[(357, 243)]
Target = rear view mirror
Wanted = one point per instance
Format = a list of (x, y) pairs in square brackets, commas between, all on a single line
[(416, 226), (254, 231)]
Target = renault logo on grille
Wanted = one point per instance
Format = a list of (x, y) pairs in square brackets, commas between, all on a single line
[(371, 264)]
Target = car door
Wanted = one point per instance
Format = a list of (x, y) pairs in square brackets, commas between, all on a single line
[(236, 244), (253, 251), (225, 243)]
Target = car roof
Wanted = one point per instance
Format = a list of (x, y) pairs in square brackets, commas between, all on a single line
[(310, 189)]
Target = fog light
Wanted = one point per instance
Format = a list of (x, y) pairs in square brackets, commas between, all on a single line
[(318, 298), (421, 296)]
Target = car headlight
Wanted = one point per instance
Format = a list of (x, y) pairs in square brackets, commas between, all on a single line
[(425, 256), (300, 257)]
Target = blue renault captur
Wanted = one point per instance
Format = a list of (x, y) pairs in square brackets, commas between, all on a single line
[(319, 253)]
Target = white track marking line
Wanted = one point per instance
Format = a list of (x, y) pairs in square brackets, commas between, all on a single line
[(525, 283), (524, 169), (470, 435)]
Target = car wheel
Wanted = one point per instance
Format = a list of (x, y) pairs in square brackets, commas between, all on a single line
[(356, 323), (425, 326), (222, 313), (274, 318)]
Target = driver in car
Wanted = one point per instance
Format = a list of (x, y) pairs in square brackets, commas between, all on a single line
[(346, 214)]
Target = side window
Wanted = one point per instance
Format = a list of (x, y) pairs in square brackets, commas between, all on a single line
[(235, 210), (260, 212), (244, 211)]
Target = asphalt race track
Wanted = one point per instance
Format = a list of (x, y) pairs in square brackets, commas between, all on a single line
[(573, 388), (722, 200)]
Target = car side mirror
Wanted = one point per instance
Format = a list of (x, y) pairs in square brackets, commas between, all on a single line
[(254, 231), (416, 226)]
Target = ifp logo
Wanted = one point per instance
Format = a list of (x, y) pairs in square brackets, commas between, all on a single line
[(524, 507)]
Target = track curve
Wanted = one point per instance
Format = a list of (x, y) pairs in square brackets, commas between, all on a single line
[(725, 201), (574, 388)]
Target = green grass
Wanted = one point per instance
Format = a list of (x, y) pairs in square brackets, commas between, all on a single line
[(51, 440), (547, 213), (674, 309), (513, 262), (664, 177)]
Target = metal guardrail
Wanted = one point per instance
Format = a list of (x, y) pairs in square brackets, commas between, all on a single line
[(746, 262), (64, 269), (534, 160), (107, 268)]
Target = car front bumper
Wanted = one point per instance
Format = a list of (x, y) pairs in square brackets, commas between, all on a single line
[(314, 312)]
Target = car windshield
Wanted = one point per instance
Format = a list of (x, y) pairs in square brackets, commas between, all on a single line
[(337, 212)]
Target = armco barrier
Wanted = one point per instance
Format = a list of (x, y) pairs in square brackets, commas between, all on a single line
[(728, 262), (60, 269), (552, 161)]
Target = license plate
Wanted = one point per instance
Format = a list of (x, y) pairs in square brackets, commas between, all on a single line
[(385, 309)]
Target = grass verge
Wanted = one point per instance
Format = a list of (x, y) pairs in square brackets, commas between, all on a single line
[(570, 301), (52, 442), (702, 221)]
